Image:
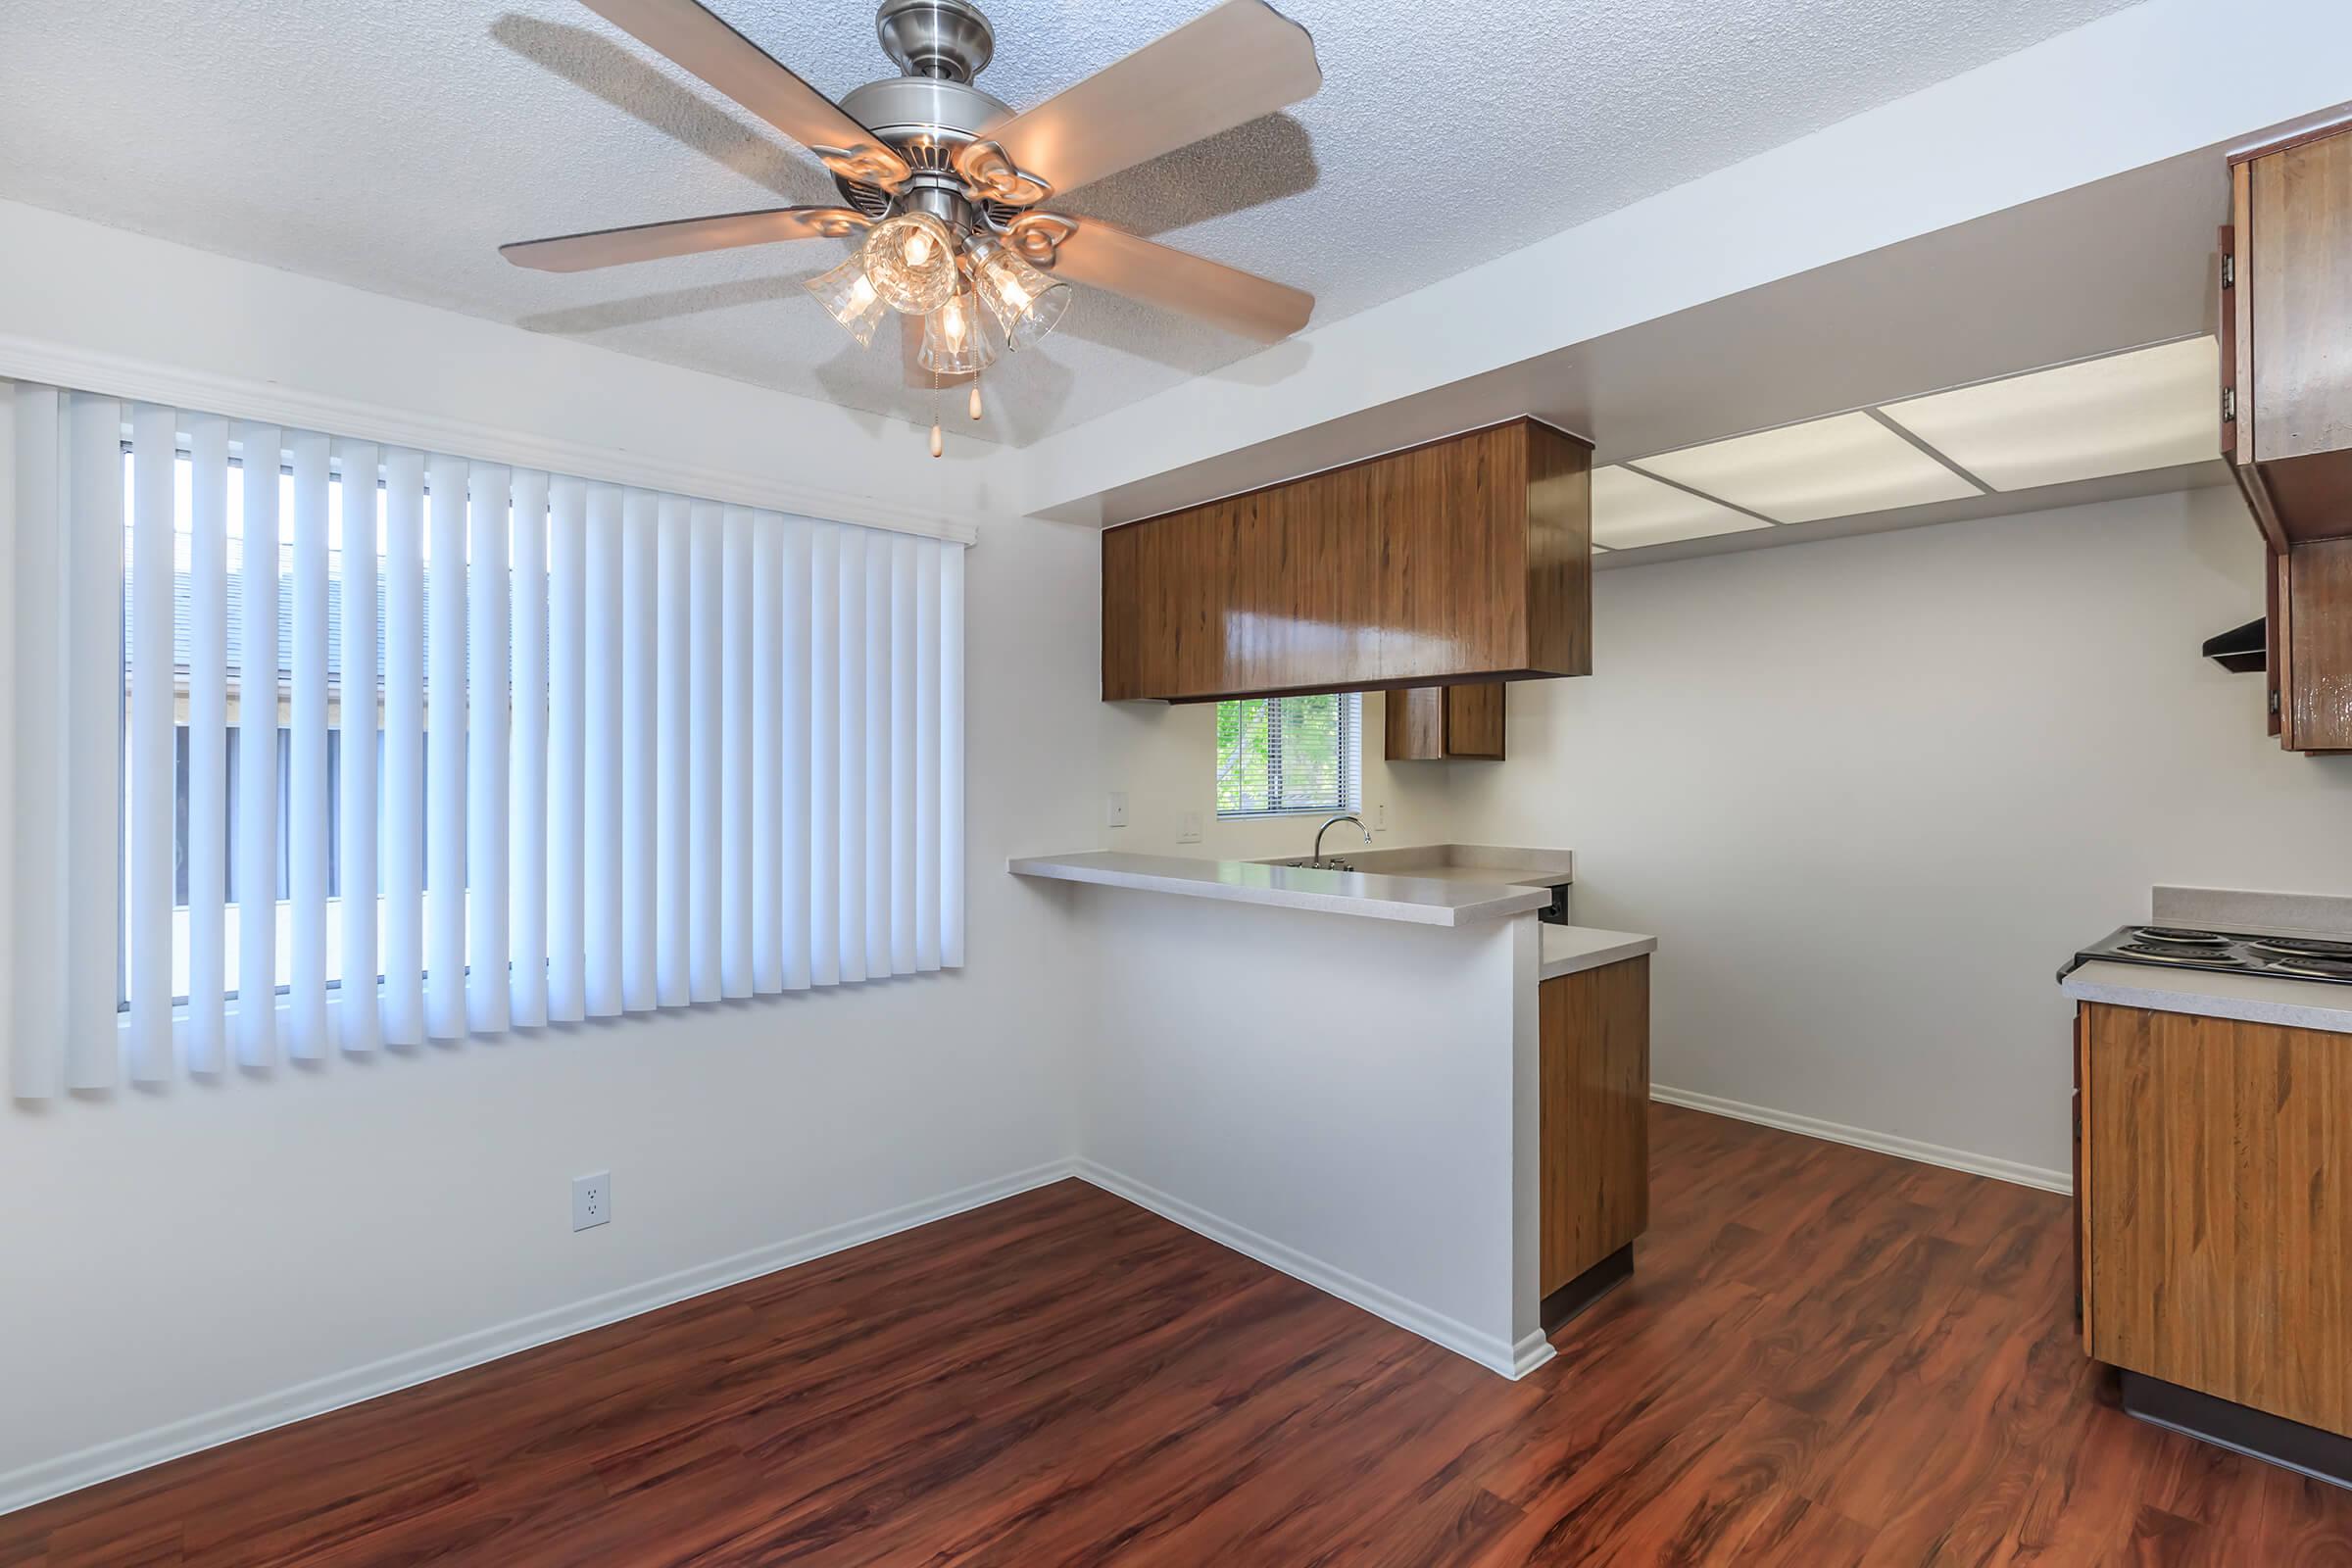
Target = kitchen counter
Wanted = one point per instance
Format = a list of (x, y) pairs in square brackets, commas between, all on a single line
[(1574, 949), (1417, 900), (2216, 994)]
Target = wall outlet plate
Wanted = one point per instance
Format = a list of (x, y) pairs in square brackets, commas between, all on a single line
[(591, 1200), (1380, 818), (1114, 808), (1190, 832)]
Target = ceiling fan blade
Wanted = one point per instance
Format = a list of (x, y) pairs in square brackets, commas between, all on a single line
[(645, 242), (734, 65), (1094, 252), (1231, 65)]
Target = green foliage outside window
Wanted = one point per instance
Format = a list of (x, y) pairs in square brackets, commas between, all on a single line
[(1286, 754)]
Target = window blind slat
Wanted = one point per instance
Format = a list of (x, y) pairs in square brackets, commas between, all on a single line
[(567, 749), (306, 826), (257, 752), (672, 788), (768, 644), (735, 756), (206, 1045), (148, 828), (926, 756), (526, 809), (359, 1019), (824, 769), (445, 747), (902, 755), (639, 758), (874, 852), (850, 756), (403, 868), (39, 909), (489, 987), (705, 615), (795, 624), (950, 755), (602, 738)]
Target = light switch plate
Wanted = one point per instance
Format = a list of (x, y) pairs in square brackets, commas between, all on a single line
[(1380, 818), (1114, 808), (1190, 832)]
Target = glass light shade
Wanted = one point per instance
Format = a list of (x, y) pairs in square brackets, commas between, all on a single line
[(959, 339), (849, 296), (910, 262), (1026, 303)]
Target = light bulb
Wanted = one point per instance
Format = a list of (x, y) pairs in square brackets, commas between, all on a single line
[(910, 262), (939, 441), (1024, 301), (849, 298), (958, 339), (975, 400)]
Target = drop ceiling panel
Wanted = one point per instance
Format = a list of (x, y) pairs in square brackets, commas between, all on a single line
[(1630, 510), (2152, 407), (1831, 468)]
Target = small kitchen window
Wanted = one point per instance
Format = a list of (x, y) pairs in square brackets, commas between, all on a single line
[(1282, 756)]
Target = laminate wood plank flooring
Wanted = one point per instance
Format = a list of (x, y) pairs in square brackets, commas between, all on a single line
[(1824, 1356)]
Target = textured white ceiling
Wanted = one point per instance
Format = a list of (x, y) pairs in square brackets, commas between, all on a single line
[(394, 146)]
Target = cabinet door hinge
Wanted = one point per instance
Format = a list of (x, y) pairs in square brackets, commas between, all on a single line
[(2228, 271), (2228, 405)]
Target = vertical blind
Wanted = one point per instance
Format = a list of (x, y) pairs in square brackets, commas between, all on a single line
[(412, 747)]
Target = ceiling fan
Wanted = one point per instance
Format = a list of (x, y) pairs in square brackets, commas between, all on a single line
[(946, 188)]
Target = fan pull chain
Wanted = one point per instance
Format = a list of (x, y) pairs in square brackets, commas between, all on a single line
[(975, 403), (939, 439)]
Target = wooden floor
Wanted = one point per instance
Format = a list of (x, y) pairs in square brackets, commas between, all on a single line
[(1826, 1356)]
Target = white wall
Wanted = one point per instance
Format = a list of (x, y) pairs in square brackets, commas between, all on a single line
[(1870, 792), (201, 1253), (1352, 1101)]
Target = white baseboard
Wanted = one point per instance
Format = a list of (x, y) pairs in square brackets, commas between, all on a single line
[(104, 1461), (1488, 1350), (2000, 1170)]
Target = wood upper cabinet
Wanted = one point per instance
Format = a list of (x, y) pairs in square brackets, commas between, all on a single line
[(2214, 1175), (2286, 415), (1434, 724), (1468, 559)]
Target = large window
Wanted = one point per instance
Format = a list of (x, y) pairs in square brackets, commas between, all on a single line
[(1289, 755)]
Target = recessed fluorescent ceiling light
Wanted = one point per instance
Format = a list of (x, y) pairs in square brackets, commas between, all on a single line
[(1630, 510), (1833, 468), (2148, 408)]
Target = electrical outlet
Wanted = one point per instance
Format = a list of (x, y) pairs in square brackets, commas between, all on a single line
[(1114, 808), (1380, 818), (1190, 832), (591, 1200)]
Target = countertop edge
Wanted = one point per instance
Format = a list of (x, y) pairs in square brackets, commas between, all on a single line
[(2210, 996), (1631, 946), (1377, 904)]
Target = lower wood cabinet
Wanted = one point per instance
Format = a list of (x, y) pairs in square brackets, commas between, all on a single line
[(1596, 1128), (1430, 723), (2214, 1174)]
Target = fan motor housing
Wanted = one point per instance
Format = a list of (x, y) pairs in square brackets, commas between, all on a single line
[(924, 119)]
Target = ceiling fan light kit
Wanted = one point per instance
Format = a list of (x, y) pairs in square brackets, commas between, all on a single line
[(944, 183), (849, 298)]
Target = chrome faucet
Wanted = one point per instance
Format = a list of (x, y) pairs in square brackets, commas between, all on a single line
[(1345, 816)]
